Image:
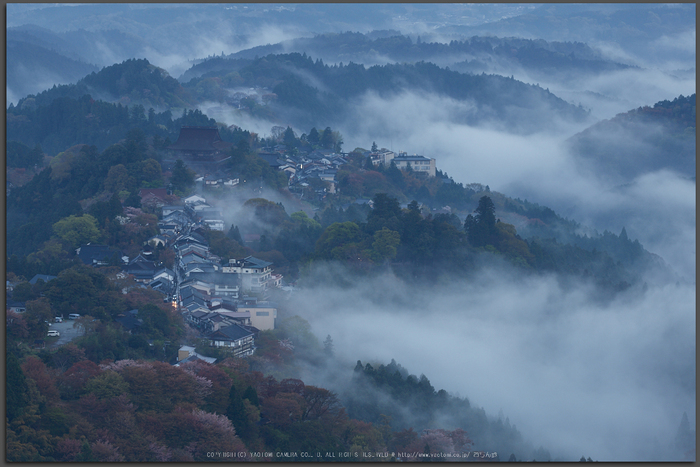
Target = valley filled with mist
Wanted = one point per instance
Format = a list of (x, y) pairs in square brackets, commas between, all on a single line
[(543, 276)]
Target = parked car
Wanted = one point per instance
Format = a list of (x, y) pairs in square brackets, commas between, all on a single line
[(53, 333), (73, 316), (58, 319)]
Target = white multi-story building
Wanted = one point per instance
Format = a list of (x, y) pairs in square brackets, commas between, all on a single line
[(256, 274), (419, 164), (383, 156)]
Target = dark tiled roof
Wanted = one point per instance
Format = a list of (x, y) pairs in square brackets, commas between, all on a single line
[(157, 192), (231, 333), (251, 261), (129, 322), (225, 306), (411, 158), (142, 269), (271, 159), (43, 277), (203, 267), (219, 278), (90, 253)]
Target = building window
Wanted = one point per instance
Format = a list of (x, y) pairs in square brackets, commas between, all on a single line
[(262, 313)]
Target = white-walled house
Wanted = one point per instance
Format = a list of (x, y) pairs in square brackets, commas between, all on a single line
[(256, 274), (418, 164)]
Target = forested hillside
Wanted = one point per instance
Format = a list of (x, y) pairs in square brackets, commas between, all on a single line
[(314, 92), (642, 140), (134, 81), (82, 177), (311, 93), (88, 150), (407, 401), (67, 121)]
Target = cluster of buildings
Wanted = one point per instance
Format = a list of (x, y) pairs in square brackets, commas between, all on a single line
[(305, 171), (227, 301), (310, 173), (320, 165)]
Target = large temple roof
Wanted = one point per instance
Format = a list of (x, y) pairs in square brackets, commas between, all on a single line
[(200, 139)]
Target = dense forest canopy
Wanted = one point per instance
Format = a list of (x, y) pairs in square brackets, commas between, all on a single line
[(654, 137)]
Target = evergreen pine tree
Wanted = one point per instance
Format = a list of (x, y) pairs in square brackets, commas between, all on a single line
[(236, 412), (85, 453), (16, 387), (235, 234), (481, 229), (684, 437), (426, 451), (252, 395), (328, 346)]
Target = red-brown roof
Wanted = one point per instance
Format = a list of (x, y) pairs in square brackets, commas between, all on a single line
[(160, 193), (200, 139)]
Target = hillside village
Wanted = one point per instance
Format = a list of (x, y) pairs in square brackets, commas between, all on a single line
[(310, 173), (180, 288), (179, 241), (228, 304), (226, 301)]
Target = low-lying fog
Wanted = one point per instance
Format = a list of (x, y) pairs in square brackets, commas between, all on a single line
[(579, 378), (606, 381), (657, 208)]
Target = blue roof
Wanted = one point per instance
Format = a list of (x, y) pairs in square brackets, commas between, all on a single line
[(411, 158), (258, 263), (90, 253), (233, 332), (43, 277), (129, 322)]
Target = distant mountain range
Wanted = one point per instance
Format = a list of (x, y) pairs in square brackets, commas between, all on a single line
[(642, 30), (580, 38), (38, 67), (537, 58), (38, 58)]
